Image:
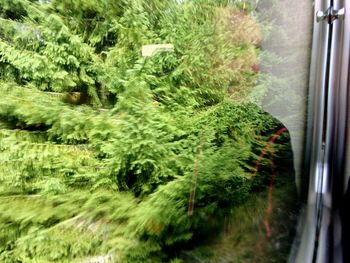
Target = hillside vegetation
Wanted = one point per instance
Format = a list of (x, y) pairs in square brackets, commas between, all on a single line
[(108, 155)]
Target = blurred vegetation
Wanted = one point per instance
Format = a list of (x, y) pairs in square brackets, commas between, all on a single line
[(98, 144)]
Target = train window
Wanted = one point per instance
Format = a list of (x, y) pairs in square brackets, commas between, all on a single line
[(166, 130)]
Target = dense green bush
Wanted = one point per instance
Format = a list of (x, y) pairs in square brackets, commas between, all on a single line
[(114, 175)]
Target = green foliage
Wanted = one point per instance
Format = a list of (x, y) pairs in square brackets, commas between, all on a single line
[(97, 50), (113, 177)]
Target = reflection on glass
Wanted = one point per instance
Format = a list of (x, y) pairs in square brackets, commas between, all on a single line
[(137, 131)]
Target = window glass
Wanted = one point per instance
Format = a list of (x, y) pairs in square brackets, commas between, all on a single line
[(152, 131)]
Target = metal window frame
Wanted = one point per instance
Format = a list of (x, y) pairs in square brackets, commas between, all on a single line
[(321, 239)]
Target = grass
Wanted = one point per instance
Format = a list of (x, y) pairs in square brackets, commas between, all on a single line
[(243, 237)]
